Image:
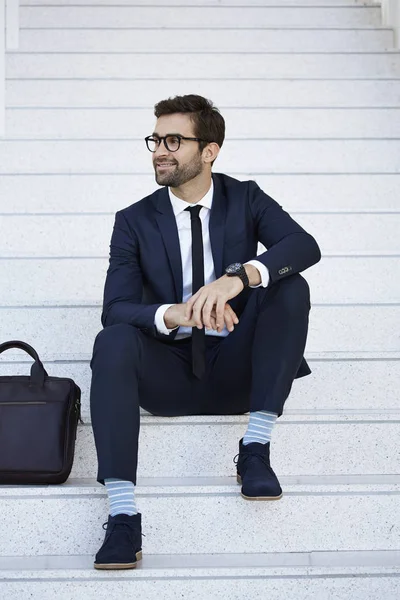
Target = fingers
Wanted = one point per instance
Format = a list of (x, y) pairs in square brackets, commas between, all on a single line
[(198, 308), (189, 305), (204, 309), (213, 323), (206, 312), (221, 314), (230, 319), (235, 318)]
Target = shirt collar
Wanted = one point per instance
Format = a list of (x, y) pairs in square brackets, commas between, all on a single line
[(179, 205)]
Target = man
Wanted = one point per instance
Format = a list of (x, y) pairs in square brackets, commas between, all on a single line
[(194, 322)]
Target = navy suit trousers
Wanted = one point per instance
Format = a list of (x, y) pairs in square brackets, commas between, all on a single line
[(251, 369)]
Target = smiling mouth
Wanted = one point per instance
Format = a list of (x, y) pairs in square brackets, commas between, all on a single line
[(163, 165)]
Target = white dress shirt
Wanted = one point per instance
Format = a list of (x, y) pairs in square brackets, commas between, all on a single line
[(185, 241)]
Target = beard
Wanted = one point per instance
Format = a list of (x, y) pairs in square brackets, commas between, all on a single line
[(179, 174)]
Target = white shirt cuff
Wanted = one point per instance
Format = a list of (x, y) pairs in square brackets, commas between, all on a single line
[(263, 272), (159, 319)]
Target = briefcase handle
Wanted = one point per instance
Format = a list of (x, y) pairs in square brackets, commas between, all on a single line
[(38, 372)]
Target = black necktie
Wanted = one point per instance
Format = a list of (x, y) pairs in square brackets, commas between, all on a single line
[(198, 335)]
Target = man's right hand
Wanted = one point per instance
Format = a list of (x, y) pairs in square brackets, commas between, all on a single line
[(175, 316)]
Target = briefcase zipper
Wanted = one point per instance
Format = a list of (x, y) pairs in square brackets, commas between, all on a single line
[(77, 406), (18, 403), (78, 410)]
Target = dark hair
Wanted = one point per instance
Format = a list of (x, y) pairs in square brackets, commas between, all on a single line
[(208, 122)]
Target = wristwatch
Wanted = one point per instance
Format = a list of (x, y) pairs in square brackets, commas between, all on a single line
[(238, 270)]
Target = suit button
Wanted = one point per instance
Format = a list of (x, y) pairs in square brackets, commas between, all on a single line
[(284, 270)]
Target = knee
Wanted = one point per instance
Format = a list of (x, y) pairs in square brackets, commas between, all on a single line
[(294, 294), (117, 343)]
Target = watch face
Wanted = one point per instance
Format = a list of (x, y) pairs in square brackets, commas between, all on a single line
[(234, 268)]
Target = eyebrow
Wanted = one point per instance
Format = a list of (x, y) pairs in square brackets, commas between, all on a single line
[(158, 135)]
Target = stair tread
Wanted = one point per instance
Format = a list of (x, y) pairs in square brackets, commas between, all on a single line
[(290, 418), (199, 486), (188, 565), (20, 357)]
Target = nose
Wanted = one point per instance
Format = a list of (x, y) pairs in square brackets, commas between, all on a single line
[(161, 150)]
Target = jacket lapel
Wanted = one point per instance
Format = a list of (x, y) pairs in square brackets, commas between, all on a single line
[(167, 224), (217, 225)]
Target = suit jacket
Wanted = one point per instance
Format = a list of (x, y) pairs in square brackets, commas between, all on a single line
[(145, 268)]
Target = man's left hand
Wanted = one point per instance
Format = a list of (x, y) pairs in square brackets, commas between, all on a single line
[(217, 293)]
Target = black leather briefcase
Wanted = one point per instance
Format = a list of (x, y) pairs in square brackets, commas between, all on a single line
[(38, 422)]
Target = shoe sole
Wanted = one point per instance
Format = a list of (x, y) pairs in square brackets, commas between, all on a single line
[(119, 565), (256, 498)]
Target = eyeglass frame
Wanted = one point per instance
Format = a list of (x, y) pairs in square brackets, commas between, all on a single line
[(163, 139)]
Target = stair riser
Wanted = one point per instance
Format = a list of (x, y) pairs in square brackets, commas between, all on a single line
[(332, 329), (88, 235), (71, 331), (356, 276), (211, 66), (334, 385), (208, 3), (108, 193), (297, 449), (245, 124), (251, 93), (366, 588), (204, 523), (235, 40), (169, 16), (237, 156)]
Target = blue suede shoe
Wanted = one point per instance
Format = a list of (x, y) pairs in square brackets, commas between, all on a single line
[(254, 472), (122, 546)]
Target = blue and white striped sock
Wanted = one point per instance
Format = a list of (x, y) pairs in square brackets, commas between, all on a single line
[(121, 495), (260, 427)]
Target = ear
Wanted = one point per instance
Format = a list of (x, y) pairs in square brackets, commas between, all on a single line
[(210, 152)]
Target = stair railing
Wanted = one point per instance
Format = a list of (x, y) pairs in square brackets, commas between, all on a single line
[(9, 40), (391, 18)]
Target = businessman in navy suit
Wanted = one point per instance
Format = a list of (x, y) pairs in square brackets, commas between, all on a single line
[(194, 321)]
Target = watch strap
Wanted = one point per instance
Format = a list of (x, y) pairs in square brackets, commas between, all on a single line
[(242, 274)]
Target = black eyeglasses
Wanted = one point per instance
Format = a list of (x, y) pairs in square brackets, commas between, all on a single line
[(171, 142)]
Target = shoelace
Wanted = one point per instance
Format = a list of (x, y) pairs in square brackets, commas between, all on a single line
[(253, 455), (120, 523)]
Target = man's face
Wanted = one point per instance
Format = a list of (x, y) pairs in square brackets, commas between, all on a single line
[(173, 169)]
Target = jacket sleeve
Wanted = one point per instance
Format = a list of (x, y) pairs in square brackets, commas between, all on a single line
[(123, 289), (290, 249)]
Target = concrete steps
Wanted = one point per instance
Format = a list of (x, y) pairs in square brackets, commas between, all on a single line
[(207, 3), (221, 40), (188, 517), (255, 156), (310, 90), (88, 235), (268, 92), (333, 328), (354, 272), (298, 193), (342, 65), (267, 122), (303, 445), (344, 384), (206, 576), (313, 16)]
